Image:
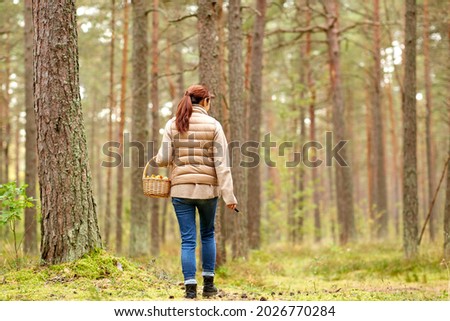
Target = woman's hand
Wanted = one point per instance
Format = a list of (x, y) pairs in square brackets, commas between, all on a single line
[(231, 206)]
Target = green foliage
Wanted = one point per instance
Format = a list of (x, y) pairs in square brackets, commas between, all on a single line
[(13, 200)]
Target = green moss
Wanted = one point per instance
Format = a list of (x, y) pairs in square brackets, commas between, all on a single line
[(97, 276), (360, 272)]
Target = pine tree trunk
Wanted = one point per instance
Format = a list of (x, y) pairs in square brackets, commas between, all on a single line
[(312, 131), (155, 123), (447, 197), (237, 123), (2, 134), (30, 227), (123, 92), (447, 207), (428, 126), (17, 152), (208, 49), (410, 201), (370, 165), (380, 187), (254, 173), (299, 222), (69, 219), (344, 184), (396, 166), (7, 120), (112, 102), (139, 244), (220, 223)]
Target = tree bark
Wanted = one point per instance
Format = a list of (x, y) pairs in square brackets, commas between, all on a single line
[(299, 220), (7, 120), (395, 162), (139, 244), (447, 207), (69, 219), (410, 198), (208, 50), (123, 91), (380, 187), (237, 124), (344, 184), (155, 123), (30, 226), (312, 130), (254, 173), (447, 197), (428, 126), (370, 165), (220, 223), (112, 103)]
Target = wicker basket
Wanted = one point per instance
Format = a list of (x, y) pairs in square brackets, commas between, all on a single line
[(155, 187)]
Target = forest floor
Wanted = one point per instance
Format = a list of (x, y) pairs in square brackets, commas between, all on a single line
[(327, 273)]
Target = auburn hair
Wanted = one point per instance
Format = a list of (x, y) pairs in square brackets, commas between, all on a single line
[(193, 95)]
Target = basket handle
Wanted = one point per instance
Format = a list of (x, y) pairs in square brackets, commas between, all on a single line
[(144, 173)]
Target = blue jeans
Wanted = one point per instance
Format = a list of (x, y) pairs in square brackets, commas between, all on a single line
[(185, 211)]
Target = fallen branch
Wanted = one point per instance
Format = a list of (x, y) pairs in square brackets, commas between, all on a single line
[(434, 200)]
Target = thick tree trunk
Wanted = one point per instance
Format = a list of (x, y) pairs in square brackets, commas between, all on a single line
[(112, 103), (344, 184), (30, 227), (380, 187), (237, 124), (69, 219), (428, 126), (254, 173), (155, 122), (123, 92), (410, 201), (208, 50), (139, 244)]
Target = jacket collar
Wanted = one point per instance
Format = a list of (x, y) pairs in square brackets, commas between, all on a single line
[(199, 109)]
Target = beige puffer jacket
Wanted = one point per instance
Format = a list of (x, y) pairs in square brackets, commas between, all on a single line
[(198, 159)]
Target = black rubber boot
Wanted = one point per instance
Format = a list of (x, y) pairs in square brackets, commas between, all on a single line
[(208, 286), (191, 291)]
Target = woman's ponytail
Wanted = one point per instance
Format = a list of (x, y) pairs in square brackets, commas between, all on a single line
[(184, 113), (194, 95)]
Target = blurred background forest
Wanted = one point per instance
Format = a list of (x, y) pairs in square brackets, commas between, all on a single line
[(282, 49)]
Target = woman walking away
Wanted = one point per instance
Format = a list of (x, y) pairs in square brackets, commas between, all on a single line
[(195, 147)]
